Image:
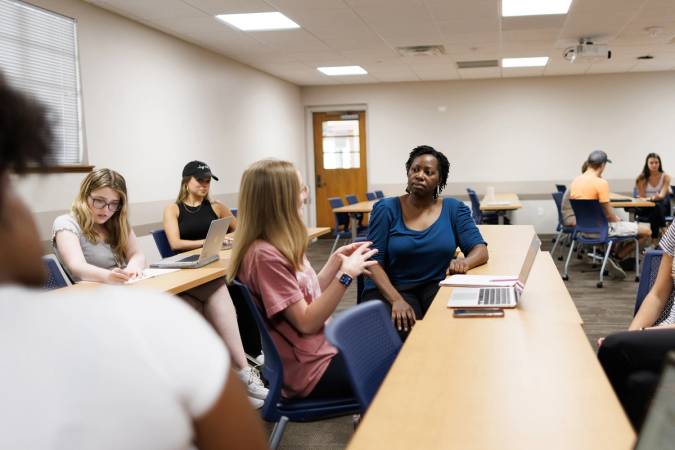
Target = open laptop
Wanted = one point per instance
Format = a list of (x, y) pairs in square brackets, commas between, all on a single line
[(497, 291), (210, 252)]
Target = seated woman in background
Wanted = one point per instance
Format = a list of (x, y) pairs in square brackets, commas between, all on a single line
[(653, 184), (95, 243), (269, 258), (187, 221), (416, 236), (633, 359), (104, 371)]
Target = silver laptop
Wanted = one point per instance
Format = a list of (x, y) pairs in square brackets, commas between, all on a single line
[(496, 297), (210, 252)]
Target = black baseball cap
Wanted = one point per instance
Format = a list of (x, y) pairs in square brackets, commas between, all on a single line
[(598, 157), (198, 169)]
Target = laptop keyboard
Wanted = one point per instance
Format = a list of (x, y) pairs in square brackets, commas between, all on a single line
[(493, 296), (190, 258)]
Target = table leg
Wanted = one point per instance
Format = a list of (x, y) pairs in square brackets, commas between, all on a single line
[(354, 225)]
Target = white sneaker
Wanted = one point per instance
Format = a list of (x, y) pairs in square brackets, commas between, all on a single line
[(256, 402), (615, 271), (260, 359), (254, 384)]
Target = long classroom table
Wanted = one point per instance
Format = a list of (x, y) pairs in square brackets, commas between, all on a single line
[(186, 279), (529, 380)]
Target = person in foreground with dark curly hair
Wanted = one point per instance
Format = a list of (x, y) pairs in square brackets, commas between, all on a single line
[(112, 369), (416, 236)]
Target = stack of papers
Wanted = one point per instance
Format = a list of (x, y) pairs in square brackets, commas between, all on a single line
[(150, 273)]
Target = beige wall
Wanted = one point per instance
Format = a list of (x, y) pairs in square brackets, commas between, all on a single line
[(519, 135), (152, 102)]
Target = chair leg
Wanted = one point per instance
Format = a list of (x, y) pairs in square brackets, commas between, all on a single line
[(604, 263), (594, 263), (277, 433), (335, 243), (555, 243), (637, 259), (567, 261)]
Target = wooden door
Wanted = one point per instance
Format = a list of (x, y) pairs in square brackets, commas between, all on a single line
[(339, 160)]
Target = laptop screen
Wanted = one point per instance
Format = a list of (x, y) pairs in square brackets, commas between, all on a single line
[(529, 259)]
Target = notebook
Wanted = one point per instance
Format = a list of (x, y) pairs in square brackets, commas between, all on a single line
[(210, 251), (150, 273), (491, 291)]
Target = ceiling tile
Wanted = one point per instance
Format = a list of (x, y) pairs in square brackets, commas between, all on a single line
[(213, 7)]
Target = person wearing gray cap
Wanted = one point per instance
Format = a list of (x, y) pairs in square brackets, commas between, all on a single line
[(591, 186)]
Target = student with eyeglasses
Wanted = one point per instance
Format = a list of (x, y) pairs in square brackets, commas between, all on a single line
[(94, 242)]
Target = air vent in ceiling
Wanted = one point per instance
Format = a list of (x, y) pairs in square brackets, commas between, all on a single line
[(421, 50), (477, 64)]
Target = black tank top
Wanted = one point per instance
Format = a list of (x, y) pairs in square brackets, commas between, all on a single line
[(194, 222)]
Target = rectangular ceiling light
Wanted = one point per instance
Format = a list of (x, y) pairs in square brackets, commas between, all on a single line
[(342, 70), (539, 61), (512, 8), (258, 21)]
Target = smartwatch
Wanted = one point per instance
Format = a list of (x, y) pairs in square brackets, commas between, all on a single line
[(345, 279)]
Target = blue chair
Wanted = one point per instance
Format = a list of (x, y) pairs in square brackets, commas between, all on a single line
[(650, 268), (277, 409), (561, 188), (379, 194), (162, 243), (478, 216), (368, 343), (592, 229), (234, 211), (342, 229), (561, 229), (56, 276), (371, 196)]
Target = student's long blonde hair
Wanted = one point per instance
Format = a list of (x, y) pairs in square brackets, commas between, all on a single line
[(268, 210), (117, 226)]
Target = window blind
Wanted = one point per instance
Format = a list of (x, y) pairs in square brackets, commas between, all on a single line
[(38, 55)]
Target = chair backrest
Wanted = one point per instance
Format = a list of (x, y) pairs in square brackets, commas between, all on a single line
[(475, 206), (162, 243), (590, 218), (341, 219), (650, 269), (371, 196), (557, 198), (561, 188), (234, 211), (635, 192), (56, 276), (272, 370), (379, 194), (369, 344), (351, 199)]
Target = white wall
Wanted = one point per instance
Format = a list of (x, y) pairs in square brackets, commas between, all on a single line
[(152, 102), (520, 134)]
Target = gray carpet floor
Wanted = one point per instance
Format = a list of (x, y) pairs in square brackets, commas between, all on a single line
[(603, 310)]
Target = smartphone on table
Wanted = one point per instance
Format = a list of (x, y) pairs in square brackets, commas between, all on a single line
[(478, 312)]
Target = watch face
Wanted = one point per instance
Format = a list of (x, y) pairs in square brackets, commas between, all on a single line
[(345, 279)]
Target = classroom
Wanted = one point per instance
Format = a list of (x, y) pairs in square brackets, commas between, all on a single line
[(160, 83)]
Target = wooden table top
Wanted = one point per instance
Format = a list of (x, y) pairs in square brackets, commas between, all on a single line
[(629, 202), (360, 207), (186, 279), (501, 202), (528, 381)]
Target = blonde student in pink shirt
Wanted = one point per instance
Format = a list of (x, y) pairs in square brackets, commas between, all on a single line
[(269, 257)]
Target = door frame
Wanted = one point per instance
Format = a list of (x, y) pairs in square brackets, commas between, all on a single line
[(310, 176)]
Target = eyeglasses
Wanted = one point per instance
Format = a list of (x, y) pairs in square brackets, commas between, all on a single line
[(99, 203)]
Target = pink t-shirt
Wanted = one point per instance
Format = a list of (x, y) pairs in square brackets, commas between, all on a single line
[(276, 286)]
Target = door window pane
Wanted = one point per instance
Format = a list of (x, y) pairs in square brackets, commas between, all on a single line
[(341, 144)]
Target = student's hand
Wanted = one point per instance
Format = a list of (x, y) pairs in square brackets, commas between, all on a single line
[(457, 266), (349, 248), (117, 276), (402, 315), (600, 341), (228, 241), (358, 260)]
